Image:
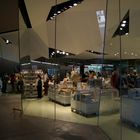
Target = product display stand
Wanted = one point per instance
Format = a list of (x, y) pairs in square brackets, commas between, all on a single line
[(110, 102), (29, 78), (130, 107), (84, 103), (62, 97)]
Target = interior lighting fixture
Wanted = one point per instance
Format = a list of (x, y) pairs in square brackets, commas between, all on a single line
[(6, 40), (75, 4), (132, 53), (123, 27), (58, 12), (126, 33), (59, 8), (67, 53), (124, 21)]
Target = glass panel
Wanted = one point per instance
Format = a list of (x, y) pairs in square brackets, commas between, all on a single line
[(130, 55), (109, 119), (9, 46), (36, 67), (79, 36)]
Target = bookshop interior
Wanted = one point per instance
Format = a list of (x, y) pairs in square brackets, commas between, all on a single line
[(76, 61)]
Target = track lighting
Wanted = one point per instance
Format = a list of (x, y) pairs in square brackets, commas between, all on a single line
[(59, 8)]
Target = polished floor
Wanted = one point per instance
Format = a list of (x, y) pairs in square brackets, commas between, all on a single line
[(110, 123), (48, 109), (15, 126)]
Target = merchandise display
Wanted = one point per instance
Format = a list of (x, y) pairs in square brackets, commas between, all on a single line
[(62, 96), (29, 78), (110, 100), (85, 102), (130, 111)]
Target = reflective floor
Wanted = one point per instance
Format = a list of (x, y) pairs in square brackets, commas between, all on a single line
[(14, 126), (46, 109)]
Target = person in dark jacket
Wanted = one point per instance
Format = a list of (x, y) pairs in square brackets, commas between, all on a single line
[(39, 87)]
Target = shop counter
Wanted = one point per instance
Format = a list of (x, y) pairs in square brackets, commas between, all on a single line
[(84, 103), (62, 97)]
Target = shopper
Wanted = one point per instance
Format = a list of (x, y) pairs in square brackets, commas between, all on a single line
[(12, 81), (21, 84), (46, 85), (4, 83), (39, 86)]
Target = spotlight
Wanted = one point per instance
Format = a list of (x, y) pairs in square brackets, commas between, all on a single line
[(75, 4), (58, 12), (67, 53), (70, 6), (126, 33), (123, 25), (55, 14), (7, 41), (63, 52), (121, 29), (58, 51), (124, 21)]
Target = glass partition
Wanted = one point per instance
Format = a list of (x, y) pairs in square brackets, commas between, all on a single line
[(36, 66), (64, 46), (78, 53), (110, 99), (130, 54)]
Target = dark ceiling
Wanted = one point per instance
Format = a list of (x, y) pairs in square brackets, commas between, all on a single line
[(8, 15)]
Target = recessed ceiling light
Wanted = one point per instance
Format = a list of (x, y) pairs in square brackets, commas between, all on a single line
[(70, 6), (124, 21), (123, 25), (126, 33), (7, 41), (67, 53), (121, 29), (58, 12), (55, 14), (63, 52), (132, 53), (75, 4), (58, 51), (51, 17)]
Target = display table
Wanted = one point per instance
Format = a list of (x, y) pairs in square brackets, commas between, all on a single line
[(62, 97), (83, 103), (109, 101), (130, 107)]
